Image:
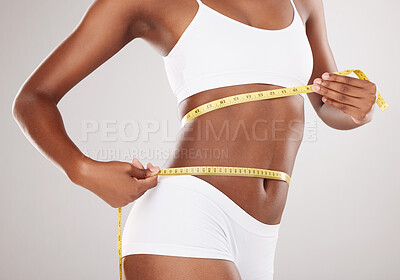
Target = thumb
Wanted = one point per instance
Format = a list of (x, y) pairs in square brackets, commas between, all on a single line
[(152, 169), (141, 173), (136, 163)]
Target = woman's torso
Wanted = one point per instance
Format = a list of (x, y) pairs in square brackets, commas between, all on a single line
[(263, 134)]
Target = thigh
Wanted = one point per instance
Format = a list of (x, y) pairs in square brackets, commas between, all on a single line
[(159, 267)]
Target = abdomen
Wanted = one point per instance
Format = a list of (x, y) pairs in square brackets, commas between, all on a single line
[(260, 134)]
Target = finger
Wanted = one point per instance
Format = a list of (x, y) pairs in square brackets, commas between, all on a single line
[(152, 167), (148, 183), (137, 170), (348, 109), (340, 87), (139, 195), (137, 173), (140, 173), (136, 163), (337, 96), (344, 79)]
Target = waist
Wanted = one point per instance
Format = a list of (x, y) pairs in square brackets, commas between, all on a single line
[(264, 134), (225, 147), (213, 94), (252, 133)]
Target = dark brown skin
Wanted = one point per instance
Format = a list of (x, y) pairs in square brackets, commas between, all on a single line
[(106, 28)]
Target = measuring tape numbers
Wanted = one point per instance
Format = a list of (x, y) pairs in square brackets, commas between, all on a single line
[(267, 94)]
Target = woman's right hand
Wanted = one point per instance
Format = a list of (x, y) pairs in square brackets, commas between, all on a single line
[(117, 183), (106, 28)]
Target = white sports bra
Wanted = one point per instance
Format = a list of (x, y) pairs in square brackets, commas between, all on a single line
[(217, 51)]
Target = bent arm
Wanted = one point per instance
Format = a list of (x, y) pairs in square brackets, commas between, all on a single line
[(323, 62), (106, 27)]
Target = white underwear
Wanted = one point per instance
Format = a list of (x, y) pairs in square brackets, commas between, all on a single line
[(186, 216)]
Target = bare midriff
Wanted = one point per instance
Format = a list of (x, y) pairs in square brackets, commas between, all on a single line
[(261, 134)]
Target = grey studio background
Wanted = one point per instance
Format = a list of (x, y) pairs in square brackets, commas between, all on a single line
[(342, 215)]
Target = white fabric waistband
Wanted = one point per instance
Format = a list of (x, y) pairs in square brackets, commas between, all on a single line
[(232, 210)]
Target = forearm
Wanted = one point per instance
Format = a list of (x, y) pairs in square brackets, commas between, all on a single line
[(40, 120)]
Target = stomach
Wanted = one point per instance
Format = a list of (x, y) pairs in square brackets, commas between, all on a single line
[(261, 134)]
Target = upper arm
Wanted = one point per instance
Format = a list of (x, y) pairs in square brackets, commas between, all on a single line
[(106, 27), (318, 39)]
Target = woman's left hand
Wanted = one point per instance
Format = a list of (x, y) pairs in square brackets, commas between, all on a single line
[(353, 96)]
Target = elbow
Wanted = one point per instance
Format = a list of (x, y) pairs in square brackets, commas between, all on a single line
[(343, 124), (25, 103), (21, 104), (343, 127), (336, 119), (18, 106)]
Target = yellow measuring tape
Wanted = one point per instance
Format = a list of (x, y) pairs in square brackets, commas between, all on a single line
[(227, 171), (238, 171), (267, 94)]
